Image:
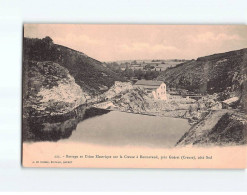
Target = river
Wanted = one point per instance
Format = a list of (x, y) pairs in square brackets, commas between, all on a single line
[(113, 128), (120, 128), (100, 132)]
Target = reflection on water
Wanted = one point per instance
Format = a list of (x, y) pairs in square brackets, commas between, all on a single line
[(119, 128), (103, 127), (54, 128)]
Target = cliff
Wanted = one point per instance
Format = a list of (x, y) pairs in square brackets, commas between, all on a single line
[(51, 101), (49, 89)]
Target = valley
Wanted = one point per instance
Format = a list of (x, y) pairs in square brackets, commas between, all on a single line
[(62, 88)]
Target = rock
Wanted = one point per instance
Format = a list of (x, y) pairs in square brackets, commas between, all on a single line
[(50, 90), (222, 127), (117, 88)]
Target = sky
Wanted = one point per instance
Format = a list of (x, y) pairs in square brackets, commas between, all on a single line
[(107, 42)]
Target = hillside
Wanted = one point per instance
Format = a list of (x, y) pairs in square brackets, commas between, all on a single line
[(88, 73), (222, 127), (49, 89), (224, 72)]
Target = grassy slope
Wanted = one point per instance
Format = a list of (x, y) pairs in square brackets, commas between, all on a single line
[(209, 74), (218, 73), (89, 73)]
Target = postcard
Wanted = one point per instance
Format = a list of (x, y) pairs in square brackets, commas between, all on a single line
[(134, 96)]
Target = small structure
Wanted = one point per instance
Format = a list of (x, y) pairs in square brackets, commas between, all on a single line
[(103, 88), (195, 97), (229, 103), (156, 88), (104, 105)]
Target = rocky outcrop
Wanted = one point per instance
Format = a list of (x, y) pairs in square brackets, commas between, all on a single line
[(64, 97), (221, 127), (52, 101), (49, 89), (117, 89), (135, 100), (231, 129)]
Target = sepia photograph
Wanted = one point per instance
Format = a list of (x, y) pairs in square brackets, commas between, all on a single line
[(134, 96), (123, 96)]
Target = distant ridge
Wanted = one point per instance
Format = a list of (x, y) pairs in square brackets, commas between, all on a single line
[(224, 54)]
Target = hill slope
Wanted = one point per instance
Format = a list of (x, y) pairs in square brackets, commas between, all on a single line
[(221, 127), (210, 74), (89, 73)]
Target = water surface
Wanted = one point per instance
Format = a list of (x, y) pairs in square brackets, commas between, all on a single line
[(120, 129)]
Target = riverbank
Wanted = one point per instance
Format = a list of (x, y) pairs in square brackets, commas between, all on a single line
[(203, 116), (137, 101), (210, 124), (221, 127), (51, 127)]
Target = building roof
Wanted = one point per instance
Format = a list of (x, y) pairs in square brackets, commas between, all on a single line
[(231, 100), (148, 82)]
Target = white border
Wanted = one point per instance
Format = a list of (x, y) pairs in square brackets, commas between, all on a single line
[(12, 15)]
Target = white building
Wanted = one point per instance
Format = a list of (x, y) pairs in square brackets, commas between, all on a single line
[(156, 88)]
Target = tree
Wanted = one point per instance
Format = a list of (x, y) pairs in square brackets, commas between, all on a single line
[(131, 73), (47, 40), (148, 75), (118, 70), (138, 74)]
